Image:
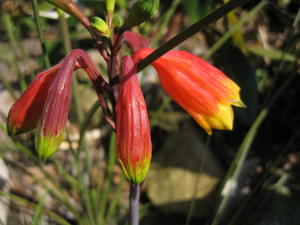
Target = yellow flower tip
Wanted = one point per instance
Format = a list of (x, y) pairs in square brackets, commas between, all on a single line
[(238, 103), (46, 146), (234, 94), (201, 120), (222, 120), (137, 174), (11, 130)]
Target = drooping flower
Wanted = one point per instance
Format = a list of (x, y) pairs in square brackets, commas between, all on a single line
[(204, 91), (45, 104), (132, 126), (23, 115)]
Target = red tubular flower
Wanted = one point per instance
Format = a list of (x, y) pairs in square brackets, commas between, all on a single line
[(50, 128), (132, 126), (23, 115), (201, 89), (45, 104)]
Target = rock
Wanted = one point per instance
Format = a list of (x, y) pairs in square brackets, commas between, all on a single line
[(174, 171), (6, 102), (4, 187)]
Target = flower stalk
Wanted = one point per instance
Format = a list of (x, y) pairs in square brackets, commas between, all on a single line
[(110, 8), (134, 203)]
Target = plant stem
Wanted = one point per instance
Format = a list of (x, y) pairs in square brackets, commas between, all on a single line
[(85, 123), (235, 28), (202, 163), (200, 25), (236, 166), (65, 30), (11, 34), (166, 18), (264, 179), (40, 31), (115, 200), (8, 86), (109, 178), (28, 203), (134, 203)]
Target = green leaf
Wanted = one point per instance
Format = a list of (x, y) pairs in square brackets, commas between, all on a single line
[(272, 54), (38, 211)]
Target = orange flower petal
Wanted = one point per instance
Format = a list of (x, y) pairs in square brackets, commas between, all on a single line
[(204, 91)]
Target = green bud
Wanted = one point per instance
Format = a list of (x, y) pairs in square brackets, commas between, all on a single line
[(117, 21), (110, 6), (141, 11), (101, 26)]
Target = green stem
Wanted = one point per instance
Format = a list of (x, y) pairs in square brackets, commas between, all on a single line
[(37, 216), (60, 196), (235, 217), (69, 178), (11, 34), (201, 167), (154, 117), (65, 31), (86, 121), (8, 86), (115, 200), (110, 7), (77, 104), (200, 25), (38, 23), (238, 161), (235, 168), (236, 27), (27, 203), (109, 177), (166, 20)]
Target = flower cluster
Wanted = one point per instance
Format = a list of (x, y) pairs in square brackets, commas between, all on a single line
[(45, 104), (198, 87)]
